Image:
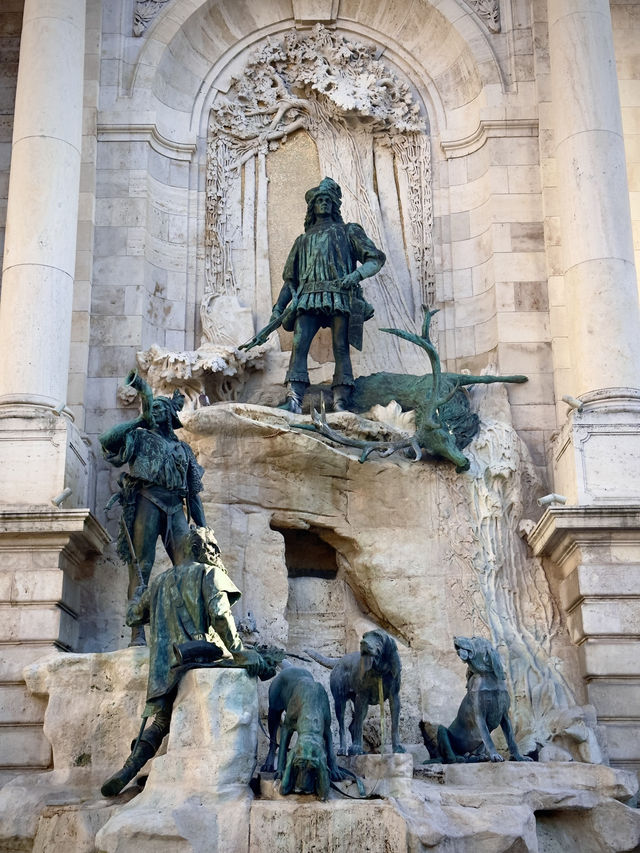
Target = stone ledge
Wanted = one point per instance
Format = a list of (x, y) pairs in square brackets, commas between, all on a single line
[(561, 523)]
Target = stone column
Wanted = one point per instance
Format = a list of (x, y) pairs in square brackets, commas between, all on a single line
[(600, 277), (592, 545), (45, 549), (39, 259), (599, 272)]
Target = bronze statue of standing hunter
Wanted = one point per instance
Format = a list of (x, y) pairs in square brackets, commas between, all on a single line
[(322, 289)]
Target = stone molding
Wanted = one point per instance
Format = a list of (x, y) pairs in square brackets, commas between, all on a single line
[(44, 554), (77, 532), (561, 528), (585, 469), (488, 129), (171, 148)]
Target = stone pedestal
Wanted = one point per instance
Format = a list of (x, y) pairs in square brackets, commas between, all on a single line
[(594, 551), (41, 455), (337, 826), (388, 775), (596, 456), (197, 797), (42, 560)]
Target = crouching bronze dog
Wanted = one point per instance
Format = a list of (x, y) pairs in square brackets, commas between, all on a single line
[(483, 709), (310, 766), (357, 676)]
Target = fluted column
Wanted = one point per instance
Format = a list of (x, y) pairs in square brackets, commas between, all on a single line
[(600, 277), (42, 212)]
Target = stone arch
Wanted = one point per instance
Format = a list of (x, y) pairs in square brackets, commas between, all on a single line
[(445, 48), (193, 48)]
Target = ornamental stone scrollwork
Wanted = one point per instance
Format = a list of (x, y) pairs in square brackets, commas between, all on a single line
[(488, 11), (371, 137), (144, 12)]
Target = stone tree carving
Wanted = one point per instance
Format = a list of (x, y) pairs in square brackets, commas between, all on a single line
[(371, 138)]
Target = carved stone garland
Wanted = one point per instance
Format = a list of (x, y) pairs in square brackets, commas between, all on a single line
[(371, 138), (488, 11), (144, 12)]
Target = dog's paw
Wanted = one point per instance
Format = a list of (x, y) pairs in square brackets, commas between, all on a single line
[(522, 758), (339, 775), (399, 748), (355, 750), (495, 757)]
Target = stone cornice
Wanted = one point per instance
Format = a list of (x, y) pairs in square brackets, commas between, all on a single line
[(77, 531), (149, 132), (562, 528), (487, 129)]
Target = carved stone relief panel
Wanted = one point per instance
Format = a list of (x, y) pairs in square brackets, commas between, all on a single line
[(371, 137)]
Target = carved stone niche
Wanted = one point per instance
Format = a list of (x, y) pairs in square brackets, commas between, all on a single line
[(329, 103)]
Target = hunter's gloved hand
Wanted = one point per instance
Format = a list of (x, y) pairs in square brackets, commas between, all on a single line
[(275, 313), (352, 279), (250, 660)]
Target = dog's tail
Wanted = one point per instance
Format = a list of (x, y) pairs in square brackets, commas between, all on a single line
[(321, 659), (429, 736)]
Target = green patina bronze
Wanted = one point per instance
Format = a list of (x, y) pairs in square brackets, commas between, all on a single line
[(189, 602), (163, 480), (445, 423), (322, 289)]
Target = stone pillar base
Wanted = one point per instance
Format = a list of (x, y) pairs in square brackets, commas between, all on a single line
[(42, 557), (594, 552), (197, 797), (41, 455), (597, 452)]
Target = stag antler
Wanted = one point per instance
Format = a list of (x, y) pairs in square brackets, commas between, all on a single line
[(429, 419), (384, 448)]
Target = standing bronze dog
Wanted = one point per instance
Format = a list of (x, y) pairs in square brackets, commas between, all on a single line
[(357, 676), (310, 766), (483, 709)]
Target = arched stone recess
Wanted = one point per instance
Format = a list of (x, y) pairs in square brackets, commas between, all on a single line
[(445, 55)]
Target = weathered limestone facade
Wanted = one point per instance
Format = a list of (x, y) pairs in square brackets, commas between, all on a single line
[(493, 148)]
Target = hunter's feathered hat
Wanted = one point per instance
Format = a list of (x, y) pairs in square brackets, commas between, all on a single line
[(327, 186)]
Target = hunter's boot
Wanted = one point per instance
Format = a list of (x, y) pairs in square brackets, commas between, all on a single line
[(295, 396), (136, 761), (137, 636), (341, 398)]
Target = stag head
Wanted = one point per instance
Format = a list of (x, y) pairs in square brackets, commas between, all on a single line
[(431, 437)]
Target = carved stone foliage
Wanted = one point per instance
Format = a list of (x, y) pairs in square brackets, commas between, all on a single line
[(218, 372), (371, 137), (144, 12), (488, 11)]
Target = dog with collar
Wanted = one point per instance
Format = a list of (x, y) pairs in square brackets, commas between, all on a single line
[(483, 709), (361, 677)]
